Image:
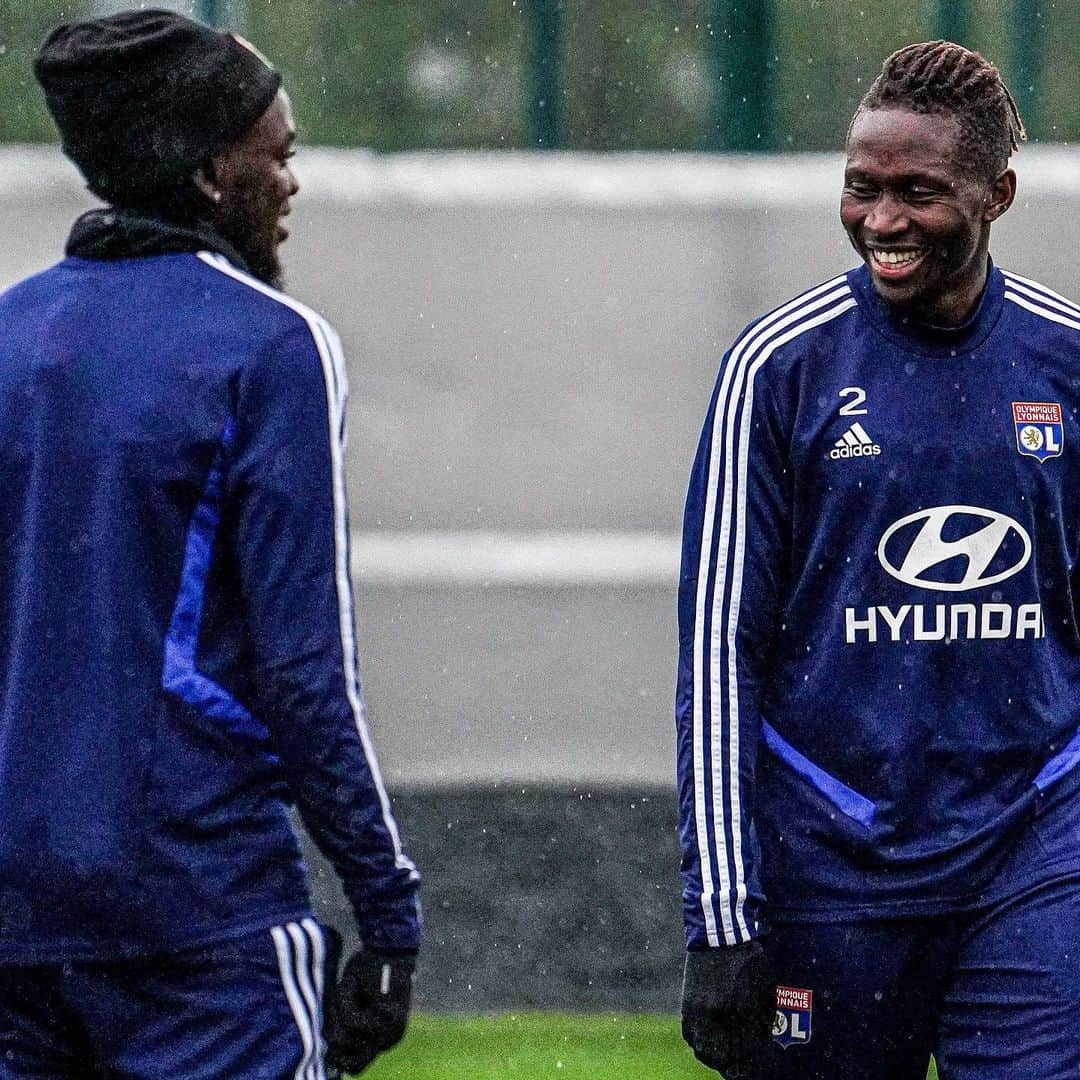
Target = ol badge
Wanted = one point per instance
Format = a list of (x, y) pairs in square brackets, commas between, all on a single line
[(1039, 431), (794, 1013)]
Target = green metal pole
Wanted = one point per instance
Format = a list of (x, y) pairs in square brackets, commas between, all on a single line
[(545, 72), (210, 12), (742, 66), (1029, 34), (953, 23)]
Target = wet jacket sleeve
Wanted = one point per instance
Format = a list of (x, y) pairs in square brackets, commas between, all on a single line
[(733, 556), (292, 552)]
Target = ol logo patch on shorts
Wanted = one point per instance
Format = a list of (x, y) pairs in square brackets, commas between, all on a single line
[(1039, 431), (794, 1015)]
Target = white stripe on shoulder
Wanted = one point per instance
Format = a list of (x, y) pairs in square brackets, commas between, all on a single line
[(1044, 312), (1043, 299), (1037, 288), (811, 309), (308, 314), (328, 346), (293, 995), (326, 338), (795, 304)]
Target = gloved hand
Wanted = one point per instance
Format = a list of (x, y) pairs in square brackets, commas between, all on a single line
[(728, 1005), (369, 1008)]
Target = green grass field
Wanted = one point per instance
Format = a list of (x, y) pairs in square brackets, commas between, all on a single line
[(531, 1046)]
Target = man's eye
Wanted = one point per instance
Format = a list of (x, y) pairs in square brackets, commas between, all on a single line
[(860, 191), (919, 194)]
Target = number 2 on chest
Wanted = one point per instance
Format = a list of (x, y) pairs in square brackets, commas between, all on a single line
[(858, 397)]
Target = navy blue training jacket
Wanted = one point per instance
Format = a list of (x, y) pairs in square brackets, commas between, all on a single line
[(879, 669), (177, 659)]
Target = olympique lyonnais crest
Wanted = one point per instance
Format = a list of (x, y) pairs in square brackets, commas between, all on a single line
[(1039, 431), (794, 1012)]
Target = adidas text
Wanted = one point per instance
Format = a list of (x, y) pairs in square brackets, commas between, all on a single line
[(854, 451)]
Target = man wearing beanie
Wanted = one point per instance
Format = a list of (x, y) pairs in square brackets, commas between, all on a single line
[(178, 655)]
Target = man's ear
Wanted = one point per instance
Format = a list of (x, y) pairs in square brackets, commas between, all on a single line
[(205, 178), (1001, 195)]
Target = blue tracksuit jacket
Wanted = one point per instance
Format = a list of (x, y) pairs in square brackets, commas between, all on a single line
[(879, 668), (177, 660)]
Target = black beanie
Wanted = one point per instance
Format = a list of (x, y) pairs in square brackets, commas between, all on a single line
[(143, 98)]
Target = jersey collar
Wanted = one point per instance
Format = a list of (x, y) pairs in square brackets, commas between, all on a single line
[(930, 340), (109, 233)]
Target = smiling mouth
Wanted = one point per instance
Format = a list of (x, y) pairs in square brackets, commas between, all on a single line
[(895, 265)]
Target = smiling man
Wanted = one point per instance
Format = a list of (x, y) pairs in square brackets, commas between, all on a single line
[(879, 668), (178, 661)]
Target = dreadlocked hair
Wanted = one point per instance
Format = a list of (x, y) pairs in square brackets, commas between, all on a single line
[(940, 77)]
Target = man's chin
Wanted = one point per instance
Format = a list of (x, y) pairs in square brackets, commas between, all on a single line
[(266, 266), (907, 293)]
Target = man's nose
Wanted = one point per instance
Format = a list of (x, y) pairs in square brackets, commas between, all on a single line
[(888, 216)]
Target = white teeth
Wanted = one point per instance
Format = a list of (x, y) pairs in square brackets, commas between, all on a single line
[(896, 258)]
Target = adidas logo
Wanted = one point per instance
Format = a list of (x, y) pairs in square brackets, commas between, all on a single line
[(855, 443)]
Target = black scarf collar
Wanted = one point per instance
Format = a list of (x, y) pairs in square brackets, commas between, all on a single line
[(109, 233)]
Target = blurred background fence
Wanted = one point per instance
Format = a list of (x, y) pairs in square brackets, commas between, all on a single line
[(592, 74)]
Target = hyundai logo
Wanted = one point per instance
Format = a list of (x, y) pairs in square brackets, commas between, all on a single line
[(954, 548)]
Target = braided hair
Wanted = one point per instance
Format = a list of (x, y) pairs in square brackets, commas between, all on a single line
[(942, 78)]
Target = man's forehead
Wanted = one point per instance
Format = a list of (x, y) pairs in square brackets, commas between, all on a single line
[(896, 158), (904, 140)]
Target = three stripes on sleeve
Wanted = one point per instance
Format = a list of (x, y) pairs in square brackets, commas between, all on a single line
[(719, 828)]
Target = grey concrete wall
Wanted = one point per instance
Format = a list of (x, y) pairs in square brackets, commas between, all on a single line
[(531, 342)]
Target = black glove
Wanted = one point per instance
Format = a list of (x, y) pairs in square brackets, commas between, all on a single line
[(368, 1010), (728, 1005)]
